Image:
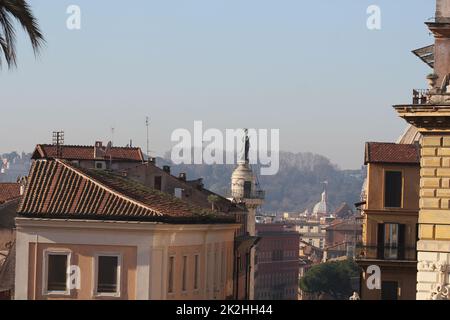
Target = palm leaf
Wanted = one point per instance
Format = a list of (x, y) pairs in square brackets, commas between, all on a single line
[(19, 10)]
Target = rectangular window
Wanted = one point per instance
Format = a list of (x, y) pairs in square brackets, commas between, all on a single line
[(247, 189), (184, 280), (196, 271), (158, 183), (391, 241), (108, 274), (171, 271), (57, 264), (393, 184)]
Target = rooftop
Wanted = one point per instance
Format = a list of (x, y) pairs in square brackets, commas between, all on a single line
[(60, 190), (379, 152), (9, 192), (73, 152)]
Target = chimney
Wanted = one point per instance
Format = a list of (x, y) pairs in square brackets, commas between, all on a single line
[(152, 160), (441, 31), (182, 176), (22, 183), (98, 150), (166, 169)]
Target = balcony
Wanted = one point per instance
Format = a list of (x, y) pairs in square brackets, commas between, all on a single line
[(420, 96), (386, 253), (257, 194)]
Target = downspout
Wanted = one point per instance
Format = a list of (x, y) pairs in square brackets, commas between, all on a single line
[(236, 275), (247, 276), (35, 267)]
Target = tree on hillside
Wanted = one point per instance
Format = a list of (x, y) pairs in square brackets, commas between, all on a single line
[(331, 278), (19, 10)]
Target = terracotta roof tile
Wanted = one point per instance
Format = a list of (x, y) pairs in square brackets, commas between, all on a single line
[(9, 191), (68, 152), (58, 189), (377, 152)]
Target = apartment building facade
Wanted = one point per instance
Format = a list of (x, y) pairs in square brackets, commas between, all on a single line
[(390, 217), (94, 234)]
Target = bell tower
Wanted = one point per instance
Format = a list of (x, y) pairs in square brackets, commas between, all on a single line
[(245, 190), (431, 116)]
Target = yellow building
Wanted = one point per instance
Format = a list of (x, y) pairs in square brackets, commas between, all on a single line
[(430, 114), (389, 218)]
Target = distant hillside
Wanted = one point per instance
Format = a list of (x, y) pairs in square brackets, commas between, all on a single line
[(297, 186)]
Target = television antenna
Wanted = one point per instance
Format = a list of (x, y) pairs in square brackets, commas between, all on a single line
[(58, 141), (112, 135), (147, 124)]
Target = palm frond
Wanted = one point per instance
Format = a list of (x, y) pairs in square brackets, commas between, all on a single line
[(19, 10)]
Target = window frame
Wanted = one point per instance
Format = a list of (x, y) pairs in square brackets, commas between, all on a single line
[(55, 252), (184, 273), (118, 292), (385, 171), (171, 277), (196, 271)]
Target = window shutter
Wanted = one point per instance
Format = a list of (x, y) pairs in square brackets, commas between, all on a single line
[(380, 243), (401, 241)]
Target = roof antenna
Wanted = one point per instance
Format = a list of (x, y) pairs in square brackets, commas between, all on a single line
[(58, 141), (147, 124), (112, 135)]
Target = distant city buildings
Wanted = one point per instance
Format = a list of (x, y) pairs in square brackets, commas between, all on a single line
[(277, 255), (342, 238), (13, 166)]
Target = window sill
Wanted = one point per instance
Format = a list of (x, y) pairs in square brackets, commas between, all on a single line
[(56, 294), (106, 295)]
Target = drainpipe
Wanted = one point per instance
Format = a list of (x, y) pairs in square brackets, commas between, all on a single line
[(35, 267), (247, 276), (236, 275)]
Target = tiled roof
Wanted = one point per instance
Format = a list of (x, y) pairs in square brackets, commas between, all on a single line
[(8, 270), (345, 225), (58, 189), (377, 152), (45, 151), (9, 191)]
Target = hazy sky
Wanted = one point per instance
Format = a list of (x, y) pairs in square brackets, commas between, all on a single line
[(309, 68)]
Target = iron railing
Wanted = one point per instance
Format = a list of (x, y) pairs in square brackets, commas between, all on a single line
[(390, 253), (420, 96), (257, 194)]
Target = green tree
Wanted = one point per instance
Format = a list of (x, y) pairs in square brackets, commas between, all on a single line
[(213, 199), (19, 10), (331, 278)]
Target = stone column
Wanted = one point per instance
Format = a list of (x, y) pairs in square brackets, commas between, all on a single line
[(434, 218)]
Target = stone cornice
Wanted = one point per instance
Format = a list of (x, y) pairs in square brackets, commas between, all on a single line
[(427, 117)]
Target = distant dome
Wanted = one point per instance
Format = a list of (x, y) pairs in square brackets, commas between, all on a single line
[(410, 136), (321, 207)]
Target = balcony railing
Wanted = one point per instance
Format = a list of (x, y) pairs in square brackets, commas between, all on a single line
[(389, 253), (420, 96), (257, 194)]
